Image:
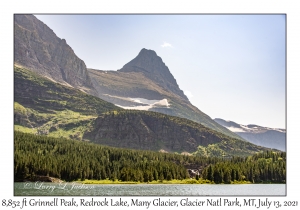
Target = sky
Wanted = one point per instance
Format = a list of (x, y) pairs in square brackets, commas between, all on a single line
[(230, 66)]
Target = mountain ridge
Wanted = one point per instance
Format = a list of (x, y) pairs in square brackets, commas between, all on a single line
[(259, 135)]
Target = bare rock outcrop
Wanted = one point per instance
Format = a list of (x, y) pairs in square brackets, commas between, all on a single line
[(39, 49)]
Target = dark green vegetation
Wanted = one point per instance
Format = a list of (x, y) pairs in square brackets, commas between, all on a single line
[(148, 130), (72, 160), (266, 167)]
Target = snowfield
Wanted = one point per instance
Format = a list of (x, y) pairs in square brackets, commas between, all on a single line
[(146, 104)]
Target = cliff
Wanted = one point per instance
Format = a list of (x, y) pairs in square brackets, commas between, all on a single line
[(37, 48)]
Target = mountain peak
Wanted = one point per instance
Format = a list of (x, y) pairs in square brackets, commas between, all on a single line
[(153, 67), (146, 52), (146, 61)]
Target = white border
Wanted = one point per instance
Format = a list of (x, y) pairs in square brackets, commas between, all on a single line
[(154, 6)]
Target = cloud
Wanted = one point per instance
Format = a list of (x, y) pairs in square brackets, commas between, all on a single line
[(166, 44), (188, 94)]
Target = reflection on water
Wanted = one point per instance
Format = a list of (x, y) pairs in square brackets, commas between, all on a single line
[(68, 189)]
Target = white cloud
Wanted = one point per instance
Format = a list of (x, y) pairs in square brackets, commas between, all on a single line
[(166, 44), (188, 94)]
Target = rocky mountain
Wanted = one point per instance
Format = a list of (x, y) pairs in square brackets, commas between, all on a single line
[(146, 83), (44, 107), (263, 136), (53, 96), (37, 48)]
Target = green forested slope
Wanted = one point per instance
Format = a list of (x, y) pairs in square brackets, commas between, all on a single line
[(148, 130), (72, 160)]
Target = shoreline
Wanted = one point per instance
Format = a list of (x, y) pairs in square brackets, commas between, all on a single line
[(191, 181), (177, 182), (49, 179)]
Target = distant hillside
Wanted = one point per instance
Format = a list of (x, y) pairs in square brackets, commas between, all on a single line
[(146, 83), (263, 136), (155, 131)]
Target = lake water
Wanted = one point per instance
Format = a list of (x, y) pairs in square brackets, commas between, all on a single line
[(75, 189)]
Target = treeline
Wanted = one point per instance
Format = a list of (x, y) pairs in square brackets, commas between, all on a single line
[(267, 166), (72, 160)]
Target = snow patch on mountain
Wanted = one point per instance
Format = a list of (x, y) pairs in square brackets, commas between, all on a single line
[(234, 129), (146, 104), (252, 129)]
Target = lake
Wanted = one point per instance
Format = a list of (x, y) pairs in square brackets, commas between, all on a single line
[(75, 189)]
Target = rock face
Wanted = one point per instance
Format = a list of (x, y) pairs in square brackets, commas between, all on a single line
[(39, 49), (263, 136), (155, 69)]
